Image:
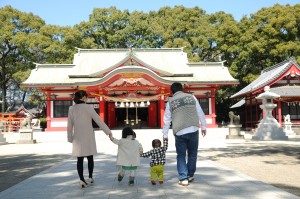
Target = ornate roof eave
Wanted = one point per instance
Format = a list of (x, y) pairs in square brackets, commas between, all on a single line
[(179, 75), (255, 86), (248, 93), (126, 69), (101, 73), (139, 69), (196, 64), (215, 82), (37, 66), (92, 76), (34, 85), (209, 83)]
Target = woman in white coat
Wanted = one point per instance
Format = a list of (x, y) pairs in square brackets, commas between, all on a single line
[(81, 133)]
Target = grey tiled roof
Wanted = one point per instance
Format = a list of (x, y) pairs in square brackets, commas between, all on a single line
[(287, 91), (267, 76), (92, 66), (238, 104), (282, 91)]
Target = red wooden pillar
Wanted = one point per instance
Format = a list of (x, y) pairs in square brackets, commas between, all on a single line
[(246, 111), (111, 117), (161, 111), (102, 108), (152, 114), (213, 107), (10, 121), (252, 125), (48, 118), (279, 112), (256, 111)]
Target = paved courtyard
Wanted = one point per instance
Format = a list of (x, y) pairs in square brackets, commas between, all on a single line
[(225, 169)]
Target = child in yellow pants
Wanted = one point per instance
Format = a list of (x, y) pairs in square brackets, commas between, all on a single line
[(157, 171), (158, 160)]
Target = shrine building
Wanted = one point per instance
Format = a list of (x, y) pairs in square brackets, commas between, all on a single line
[(284, 80), (127, 86)]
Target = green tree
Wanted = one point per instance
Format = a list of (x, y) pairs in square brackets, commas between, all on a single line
[(141, 31), (225, 33), (183, 27), (18, 30), (205, 37), (26, 39), (105, 28), (57, 44), (268, 37)]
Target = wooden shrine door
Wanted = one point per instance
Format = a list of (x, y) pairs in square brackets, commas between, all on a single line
[(111, 115), (152, 114)]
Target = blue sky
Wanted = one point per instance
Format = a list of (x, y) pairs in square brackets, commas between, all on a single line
[(71, 12)]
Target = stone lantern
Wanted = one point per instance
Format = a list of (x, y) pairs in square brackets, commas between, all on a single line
[(268, 128)]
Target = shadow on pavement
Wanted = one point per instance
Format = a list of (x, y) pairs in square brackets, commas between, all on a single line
[(16, 168)]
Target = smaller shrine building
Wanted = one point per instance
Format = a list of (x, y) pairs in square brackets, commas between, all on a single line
[(11, 121), (283, 80)]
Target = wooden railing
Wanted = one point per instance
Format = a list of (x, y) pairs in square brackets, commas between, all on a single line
[(14, 124), (10, 125)]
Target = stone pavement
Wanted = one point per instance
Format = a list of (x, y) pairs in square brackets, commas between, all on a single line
[(212, 180)]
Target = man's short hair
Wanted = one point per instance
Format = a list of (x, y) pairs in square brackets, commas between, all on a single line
[(175, 87)]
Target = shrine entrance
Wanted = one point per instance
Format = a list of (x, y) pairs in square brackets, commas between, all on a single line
[(135, 117), (133, 114)]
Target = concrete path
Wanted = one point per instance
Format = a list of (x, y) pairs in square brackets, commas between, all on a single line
[(212, 180)]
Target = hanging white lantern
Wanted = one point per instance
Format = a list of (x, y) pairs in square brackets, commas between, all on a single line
[(142, 104)]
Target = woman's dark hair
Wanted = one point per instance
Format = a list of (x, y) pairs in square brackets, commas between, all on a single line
[(79, 95), (175, 87), (128, 131), (156, 142)]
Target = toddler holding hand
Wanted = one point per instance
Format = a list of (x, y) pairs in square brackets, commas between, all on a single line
[(158, 160)]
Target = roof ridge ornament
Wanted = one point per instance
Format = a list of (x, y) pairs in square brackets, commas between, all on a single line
[(131, 57), (130, 49)]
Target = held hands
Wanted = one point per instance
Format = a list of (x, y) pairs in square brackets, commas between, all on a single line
[(70, 139), (110, 136), (203, 132)]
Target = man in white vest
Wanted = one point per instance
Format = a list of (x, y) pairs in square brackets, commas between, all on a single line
[(184, 112)]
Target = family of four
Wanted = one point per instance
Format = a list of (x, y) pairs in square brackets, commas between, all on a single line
[(182, 110)]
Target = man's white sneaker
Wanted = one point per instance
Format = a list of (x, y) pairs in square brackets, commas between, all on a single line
[(184, 182), (191, 179)]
